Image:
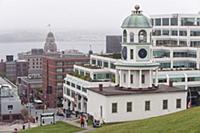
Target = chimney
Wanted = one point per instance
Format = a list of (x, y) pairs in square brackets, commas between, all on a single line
[(100, 87), (170, 83)]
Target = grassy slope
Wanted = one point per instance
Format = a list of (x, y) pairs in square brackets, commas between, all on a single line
[(59, 127), (182, 122)]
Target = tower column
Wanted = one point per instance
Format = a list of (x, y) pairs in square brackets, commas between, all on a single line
[(150, 77), (140, 78), (129, 81), (120, 78), (156, 79), (117, 78), (82, 104)]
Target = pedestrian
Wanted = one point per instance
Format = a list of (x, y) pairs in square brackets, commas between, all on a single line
[(82, 121), (23, 127), (85, 120), (36, 118)]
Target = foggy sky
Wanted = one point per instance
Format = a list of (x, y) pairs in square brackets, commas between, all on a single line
[(82, 14)]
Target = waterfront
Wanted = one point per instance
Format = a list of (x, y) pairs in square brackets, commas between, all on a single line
[(83, 46)]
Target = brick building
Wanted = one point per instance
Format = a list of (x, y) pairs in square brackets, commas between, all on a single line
[(11, 69), (2, 68), (30, 88), (54, 72)]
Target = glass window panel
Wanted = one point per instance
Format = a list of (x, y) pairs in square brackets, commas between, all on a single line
[(174, 21), (158, 22), (165, 21)]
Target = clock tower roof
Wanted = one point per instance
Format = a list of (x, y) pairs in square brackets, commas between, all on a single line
[(137, 20)]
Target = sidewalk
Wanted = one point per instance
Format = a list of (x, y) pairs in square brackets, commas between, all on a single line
[(74, 123)]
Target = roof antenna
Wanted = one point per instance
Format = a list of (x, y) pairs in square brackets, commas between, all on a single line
[(90, 47), (49, 27), (90, 51)]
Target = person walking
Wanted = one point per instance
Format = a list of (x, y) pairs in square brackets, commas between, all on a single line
[(85, 120), (36, 118), (82, 121)]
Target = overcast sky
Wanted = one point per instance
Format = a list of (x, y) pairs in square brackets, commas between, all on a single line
[(82, 14)]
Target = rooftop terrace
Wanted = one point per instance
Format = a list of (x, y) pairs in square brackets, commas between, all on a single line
[(117, 91), (90, 66), (113, 56)]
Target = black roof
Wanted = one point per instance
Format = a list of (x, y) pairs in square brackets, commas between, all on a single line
[(115, 90)]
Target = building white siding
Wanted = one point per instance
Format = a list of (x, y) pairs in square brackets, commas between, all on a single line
[(138, 105), (15, 102)]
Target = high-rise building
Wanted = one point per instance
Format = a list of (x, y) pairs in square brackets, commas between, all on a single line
[(15, 68), (54, 72), (113, 43), (30, 88), (176, 30), (34, 59), (2, 68)]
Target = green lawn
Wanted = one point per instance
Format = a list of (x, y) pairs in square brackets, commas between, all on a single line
[(59, 127), (182, 122)]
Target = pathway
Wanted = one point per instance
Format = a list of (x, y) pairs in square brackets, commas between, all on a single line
[(74, 123)]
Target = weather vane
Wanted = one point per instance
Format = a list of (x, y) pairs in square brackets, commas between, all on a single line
[(49, 26)]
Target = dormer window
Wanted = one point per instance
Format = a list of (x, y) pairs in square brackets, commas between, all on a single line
[(124, 36), (142, 36), (131, 37)]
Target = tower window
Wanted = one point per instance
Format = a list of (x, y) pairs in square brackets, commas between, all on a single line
[(142, 36), (143, 78), (131, 78), (131, 37), (131, 52), (124, 78), (124, 36)]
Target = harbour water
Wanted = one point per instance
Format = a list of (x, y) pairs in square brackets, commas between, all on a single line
[(83, 46)]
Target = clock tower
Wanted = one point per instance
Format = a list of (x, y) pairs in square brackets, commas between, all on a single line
[(136, 67)]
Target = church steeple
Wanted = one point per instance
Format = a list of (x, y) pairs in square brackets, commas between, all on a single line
[(50, 45)]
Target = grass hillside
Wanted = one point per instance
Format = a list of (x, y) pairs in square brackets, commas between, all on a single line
[(59, 127), (187, 121)]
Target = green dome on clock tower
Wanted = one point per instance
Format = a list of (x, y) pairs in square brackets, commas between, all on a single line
[(136, 20)]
